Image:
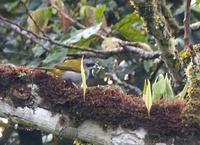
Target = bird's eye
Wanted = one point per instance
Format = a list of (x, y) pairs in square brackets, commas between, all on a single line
[(90, 64)]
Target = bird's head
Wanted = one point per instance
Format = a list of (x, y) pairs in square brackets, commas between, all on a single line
[(70, 69), (89, 64), (74, 64)]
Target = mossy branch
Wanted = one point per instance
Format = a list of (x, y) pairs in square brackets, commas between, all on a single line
[(106, 106), (159, 27)]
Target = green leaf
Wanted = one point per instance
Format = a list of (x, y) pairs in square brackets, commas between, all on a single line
[(41, 16), (86, 42), (197, 3), (54, 57), (168, 88), (110, 43), (127, 28), (38, 51), (84, 84), (84, 34), (99, 12), (85, 10), (88, 15), (58, 3), (148, 64), (162, 87), (183, 93), (147, 96), (158, 87)]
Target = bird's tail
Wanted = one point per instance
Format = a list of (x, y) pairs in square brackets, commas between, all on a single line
[(54, 71), (44, 68)]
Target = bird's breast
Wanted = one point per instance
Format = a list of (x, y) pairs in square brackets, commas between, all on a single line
[(74, 76)]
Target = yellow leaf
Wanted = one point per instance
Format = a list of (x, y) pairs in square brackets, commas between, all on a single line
[(88, 15), (41, 17), (111, 43), (147, 96), (84, 84)]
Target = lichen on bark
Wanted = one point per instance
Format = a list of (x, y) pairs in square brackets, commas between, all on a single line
[(192, 109), (158, 26)]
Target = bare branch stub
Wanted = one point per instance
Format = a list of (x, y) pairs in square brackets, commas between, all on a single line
[(186, 21)]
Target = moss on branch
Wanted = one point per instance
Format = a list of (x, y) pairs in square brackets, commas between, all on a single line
[(106, 104)]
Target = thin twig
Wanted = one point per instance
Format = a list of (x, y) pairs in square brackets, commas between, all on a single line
[(69, 46), (26, 33), (46, 37), (76, 23), (194, 27), (114, 77), (104, 54), (87, 52), (187, 31), (35, 23), (79, 25)]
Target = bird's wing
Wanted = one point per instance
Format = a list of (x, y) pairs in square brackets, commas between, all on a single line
[(70, 65)]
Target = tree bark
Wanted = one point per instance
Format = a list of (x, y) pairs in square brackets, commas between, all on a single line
[(107, 117)]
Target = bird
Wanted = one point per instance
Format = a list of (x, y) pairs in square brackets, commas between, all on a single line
[(70, 70)]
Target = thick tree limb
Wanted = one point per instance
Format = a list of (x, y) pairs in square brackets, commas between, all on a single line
[(29, 96), (88, 131), (43, 119)]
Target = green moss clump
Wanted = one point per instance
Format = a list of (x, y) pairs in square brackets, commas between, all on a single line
[(193, 75)]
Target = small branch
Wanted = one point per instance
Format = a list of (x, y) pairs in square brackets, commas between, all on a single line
[(32, 34), (35, 23), (24, 32), (76, 23), (27, 35), (194, 27), (114, 77), (79, 25), (87, 52), (104, 54), (142, 53), (187, 31)]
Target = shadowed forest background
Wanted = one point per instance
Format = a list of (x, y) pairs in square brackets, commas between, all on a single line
[(130, 42)]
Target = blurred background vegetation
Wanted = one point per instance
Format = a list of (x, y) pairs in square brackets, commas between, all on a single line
[(118, 19)]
